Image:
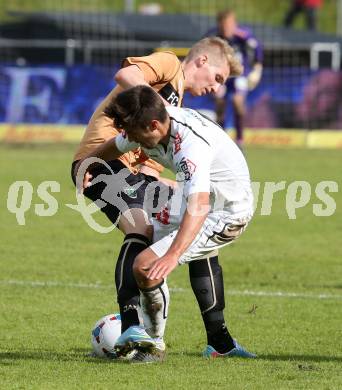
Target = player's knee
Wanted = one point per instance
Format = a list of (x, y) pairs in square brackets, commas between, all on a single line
[(135, 221), (140, 269), (240, 110), (136, 228), (239, 105)]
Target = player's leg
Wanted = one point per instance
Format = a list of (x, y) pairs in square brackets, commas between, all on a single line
[(137, 238), (154, 295), (239, 107), (206, 279), (207, 283), (210, 273), (220, 109), (124, 194), (134, 223), (154, 302), (311, 18), (207, 273), (293, 11), (221, 105)]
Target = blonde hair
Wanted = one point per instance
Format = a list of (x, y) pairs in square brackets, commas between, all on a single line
[(217, 49), (222, 15)]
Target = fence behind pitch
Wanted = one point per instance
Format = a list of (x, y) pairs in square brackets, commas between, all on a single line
[(67, 40)]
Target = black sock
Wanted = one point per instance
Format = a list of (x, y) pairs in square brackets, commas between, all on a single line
[(126, 285), (207, 284), (218, 335)]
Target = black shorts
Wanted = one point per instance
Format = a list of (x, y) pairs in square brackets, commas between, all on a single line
[(121, 190)]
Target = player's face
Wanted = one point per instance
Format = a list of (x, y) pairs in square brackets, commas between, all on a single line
[(148, 138), (227, 26), (208, 79)]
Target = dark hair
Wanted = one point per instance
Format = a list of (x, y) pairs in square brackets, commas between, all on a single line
[(135, 108)]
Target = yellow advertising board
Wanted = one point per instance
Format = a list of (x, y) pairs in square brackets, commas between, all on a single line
[(23, 133), (281, 138), (325, 139)]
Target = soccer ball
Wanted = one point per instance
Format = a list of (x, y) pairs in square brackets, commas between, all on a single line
[(104, 335)]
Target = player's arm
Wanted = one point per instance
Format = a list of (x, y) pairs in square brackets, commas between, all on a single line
[(130, 76), (193, 219), (255, 74), (146, 70), (196, 189), (151, 168), (109, 150)]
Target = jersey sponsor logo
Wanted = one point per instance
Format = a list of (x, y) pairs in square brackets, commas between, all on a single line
[(163, 216), (187, 167), (177, 143), (131, 192), (169, 93)]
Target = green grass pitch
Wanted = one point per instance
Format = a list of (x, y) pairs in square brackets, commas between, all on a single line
[(283, 282)]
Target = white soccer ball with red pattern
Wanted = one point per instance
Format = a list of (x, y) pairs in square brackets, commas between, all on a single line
[(104, 335)]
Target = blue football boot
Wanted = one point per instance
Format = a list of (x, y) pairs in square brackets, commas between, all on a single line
[(238, 351), (135, 337)]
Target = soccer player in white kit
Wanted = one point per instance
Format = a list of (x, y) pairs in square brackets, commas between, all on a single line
[(210, 208)]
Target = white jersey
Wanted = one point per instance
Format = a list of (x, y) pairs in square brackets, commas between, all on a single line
[(205, 158)]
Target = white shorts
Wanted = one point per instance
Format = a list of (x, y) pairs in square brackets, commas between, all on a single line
[(217, 231)]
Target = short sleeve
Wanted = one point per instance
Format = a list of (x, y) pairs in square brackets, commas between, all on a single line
[(255, 45), (157, 67), (123, 144)]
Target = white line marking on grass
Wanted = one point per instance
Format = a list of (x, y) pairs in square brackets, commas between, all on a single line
[(281, 294), (29, 283)]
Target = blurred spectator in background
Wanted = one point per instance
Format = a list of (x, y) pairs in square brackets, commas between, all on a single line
[(308, 7), (249, 51), (318, 105)]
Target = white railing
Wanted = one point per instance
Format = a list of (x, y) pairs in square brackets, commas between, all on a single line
[(87, 47), (324, 47)]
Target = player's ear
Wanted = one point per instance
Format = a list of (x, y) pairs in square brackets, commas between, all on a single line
[(204, 59), (201, 60), (154, 125)]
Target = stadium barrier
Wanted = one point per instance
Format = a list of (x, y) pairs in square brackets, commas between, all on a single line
[(40, 134)]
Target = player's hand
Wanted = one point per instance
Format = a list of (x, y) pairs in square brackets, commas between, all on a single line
[(146, 170), (254, 77), (162, 267), (86, 181)]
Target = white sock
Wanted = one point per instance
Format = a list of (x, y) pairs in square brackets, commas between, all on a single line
[(154, 306)]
